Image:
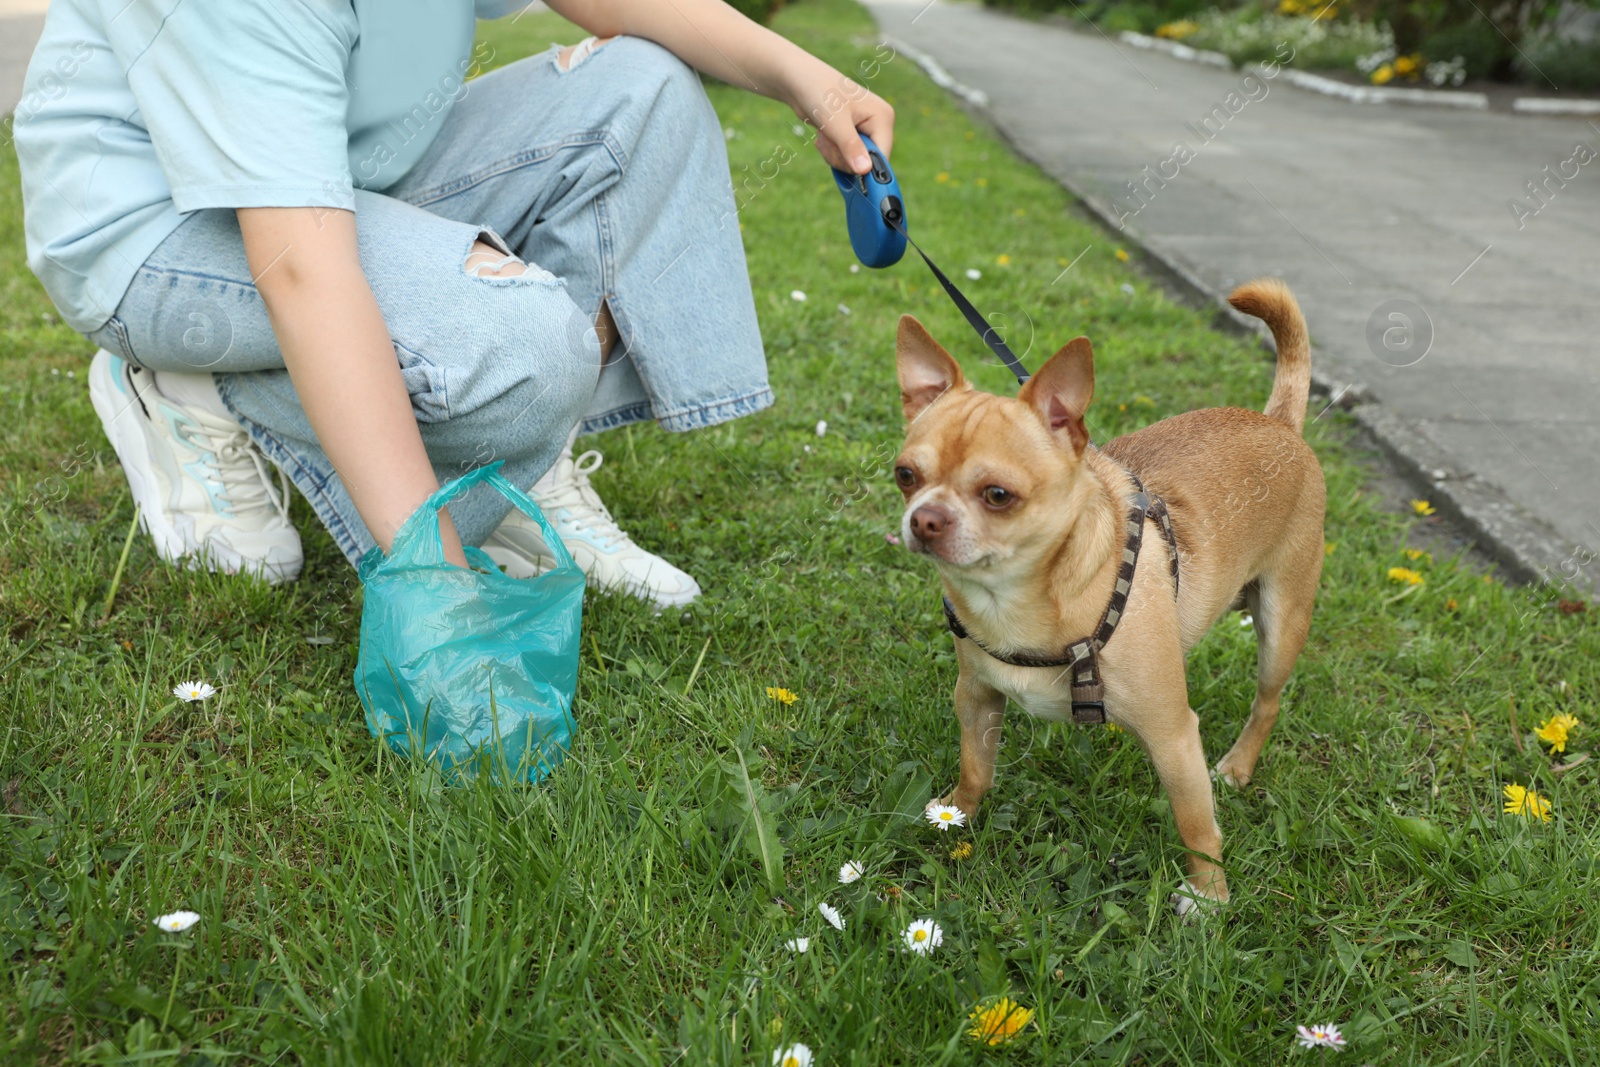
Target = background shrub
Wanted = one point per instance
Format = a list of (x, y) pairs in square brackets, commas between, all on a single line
[(1483, 51), (760, 10), (1569, 64)]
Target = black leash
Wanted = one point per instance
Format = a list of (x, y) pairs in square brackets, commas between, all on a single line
[(974, 319)]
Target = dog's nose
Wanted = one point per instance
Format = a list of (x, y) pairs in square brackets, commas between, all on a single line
[(929, 522)]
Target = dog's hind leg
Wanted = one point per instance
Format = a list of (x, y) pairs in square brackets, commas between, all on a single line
[(1280, 603)]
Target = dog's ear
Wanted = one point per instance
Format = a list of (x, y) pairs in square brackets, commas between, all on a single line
[(1060, 394), (927, 371)]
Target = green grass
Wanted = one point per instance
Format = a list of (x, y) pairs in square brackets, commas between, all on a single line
[(355, 912)]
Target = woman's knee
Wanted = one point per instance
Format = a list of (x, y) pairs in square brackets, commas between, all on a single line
[(520, 366)]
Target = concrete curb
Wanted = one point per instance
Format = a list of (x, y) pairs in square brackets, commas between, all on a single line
[(1517, 540), (1364, 94)]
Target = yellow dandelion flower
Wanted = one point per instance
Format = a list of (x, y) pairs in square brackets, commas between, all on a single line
[(1417, 553), (1113, 728), (942, 177), (1122, 255), (1422, 507), (1405, 575), (1002, 259), (1383, 75), (1407, 64), (1328, 547), (981, 183), (1451, 605), (1553, 731), (1018, 213), (1524, 801), (962, 851), (1122, 407), (971, 135), (998, 1022), (1063, 261), (785, 696)]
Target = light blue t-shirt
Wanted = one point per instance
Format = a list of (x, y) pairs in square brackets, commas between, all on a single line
[(136, 112)]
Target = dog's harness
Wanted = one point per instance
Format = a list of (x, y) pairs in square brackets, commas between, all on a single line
[(1088, 690)]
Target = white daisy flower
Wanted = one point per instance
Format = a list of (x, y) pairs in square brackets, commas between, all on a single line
[(1126, 288), (844, 309), (974, 273), (795, 294), (945, 816), (1325, 1036), (855, 268), (831, 913), (798, 945), (822, 427), (795, 1055), (1246, 621), (923, 936), (851, 872), (177, 922), (193, 691)]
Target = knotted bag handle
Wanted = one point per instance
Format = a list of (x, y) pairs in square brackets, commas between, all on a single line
[(419, 535)]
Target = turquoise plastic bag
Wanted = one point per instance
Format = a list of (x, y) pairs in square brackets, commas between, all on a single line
[(475, 669)]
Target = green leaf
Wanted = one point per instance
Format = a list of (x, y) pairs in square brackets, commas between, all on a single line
[(1348, 955), (1460, 953), (906, 794), (1422, 833), (1116, 915), (992, 975), (760, 825)]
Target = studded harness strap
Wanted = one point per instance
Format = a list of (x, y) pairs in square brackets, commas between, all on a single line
[(1088, 690)]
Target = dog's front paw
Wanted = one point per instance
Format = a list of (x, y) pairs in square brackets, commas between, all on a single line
[(1191, 903), (1233, 772), (967, 807)]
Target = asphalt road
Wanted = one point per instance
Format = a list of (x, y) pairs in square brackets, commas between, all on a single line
[(1355, 206)]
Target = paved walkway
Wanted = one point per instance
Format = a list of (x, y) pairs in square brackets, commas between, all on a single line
[(21, 22), (1354, 205)]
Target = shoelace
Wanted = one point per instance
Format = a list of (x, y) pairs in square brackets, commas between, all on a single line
[(247, 487), (584, 506)]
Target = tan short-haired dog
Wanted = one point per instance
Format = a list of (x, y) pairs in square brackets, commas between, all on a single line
[(1032, 530)]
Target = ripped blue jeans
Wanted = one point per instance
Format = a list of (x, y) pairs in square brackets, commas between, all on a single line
[(610, 179)]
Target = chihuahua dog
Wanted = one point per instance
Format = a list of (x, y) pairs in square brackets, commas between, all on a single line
[(1027, 523)]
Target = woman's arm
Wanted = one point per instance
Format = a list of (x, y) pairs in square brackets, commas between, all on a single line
[(337, 348), (716, 40)]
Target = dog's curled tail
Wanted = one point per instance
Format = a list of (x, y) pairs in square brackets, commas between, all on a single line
[(1269, 300)]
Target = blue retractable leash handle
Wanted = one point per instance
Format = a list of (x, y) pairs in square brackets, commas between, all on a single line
[(876, 215)]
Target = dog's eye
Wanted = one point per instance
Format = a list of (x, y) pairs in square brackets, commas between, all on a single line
[(905, 477), (997, 497)]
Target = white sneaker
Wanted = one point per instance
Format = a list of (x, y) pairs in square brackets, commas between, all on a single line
[(603, 552), (205, 492)]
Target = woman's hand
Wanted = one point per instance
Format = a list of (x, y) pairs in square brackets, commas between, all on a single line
[(337, 349), (716, 40), (838, 107)]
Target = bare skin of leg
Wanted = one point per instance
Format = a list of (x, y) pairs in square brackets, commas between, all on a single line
[(564, 58), (981, 711), (486, 261), (1280, 604)]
